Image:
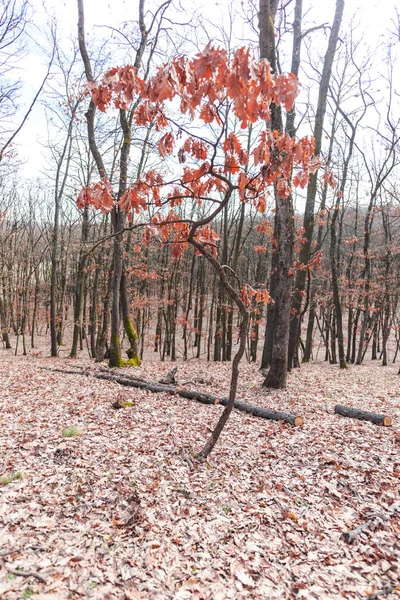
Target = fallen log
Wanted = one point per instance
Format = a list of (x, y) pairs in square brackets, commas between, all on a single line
[(118, 373), (257, 411), (362, 415)]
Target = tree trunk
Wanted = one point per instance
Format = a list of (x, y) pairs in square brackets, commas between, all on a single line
[(268, 10), (284, 224), (308, 223), (115, 359), (80, 284), (131, 333)]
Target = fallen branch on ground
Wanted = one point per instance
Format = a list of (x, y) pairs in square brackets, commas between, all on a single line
[(375, 521), (264, 413), (27, 574), (362, 415), (350, 536), (118, 373), (67, 371)]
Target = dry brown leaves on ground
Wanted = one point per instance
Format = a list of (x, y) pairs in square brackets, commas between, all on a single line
[(124, 510)]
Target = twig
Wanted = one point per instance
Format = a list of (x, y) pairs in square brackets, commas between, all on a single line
[(27, 574), (7, 552)]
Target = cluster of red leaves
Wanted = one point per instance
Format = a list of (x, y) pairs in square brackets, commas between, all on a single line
[(99, 195), (143, 275), (202, 84), (265, 227), (248, 294), (119, 83), (136, 198), (279, 154), (275, 154), (235, 157), (314, 262), (196, 148), (260, 249), (175, 231), (329, 179), (208, 238)]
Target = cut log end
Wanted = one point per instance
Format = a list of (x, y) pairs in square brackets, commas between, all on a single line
[(387, 421), (298, 422)]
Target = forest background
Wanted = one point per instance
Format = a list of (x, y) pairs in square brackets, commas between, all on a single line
[(55, 267), (204, 211)]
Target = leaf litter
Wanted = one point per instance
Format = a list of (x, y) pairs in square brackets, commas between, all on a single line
[(125, 510)]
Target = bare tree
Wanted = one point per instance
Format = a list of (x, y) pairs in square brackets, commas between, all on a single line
[(14, 16)]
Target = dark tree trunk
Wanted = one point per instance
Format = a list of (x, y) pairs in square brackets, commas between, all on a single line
[(268, 10), (284, 224), (101, 342), (115, 359)]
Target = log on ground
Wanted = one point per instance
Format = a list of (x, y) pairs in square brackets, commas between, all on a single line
[(257, 411), (362, 415)]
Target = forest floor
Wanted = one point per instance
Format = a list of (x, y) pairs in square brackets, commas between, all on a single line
[(125, 511)]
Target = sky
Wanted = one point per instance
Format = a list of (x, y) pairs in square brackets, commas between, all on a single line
[(373, 18)]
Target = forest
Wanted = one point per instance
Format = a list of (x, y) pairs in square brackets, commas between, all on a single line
[(199, 206)]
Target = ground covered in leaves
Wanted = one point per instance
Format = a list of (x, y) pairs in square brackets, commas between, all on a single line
[(122, 508)]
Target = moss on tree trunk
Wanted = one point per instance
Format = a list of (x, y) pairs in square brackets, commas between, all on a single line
[(132, 352), (115, 353)]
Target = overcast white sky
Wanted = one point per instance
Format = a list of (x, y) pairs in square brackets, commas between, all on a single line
[(373, 16)]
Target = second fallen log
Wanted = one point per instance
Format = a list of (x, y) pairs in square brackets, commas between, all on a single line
[(362, 415), (256, 411)]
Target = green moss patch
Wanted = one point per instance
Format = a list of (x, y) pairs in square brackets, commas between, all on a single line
[(6, 479), (134, 361), (71, 431)]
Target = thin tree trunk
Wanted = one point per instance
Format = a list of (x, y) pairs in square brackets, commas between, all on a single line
[(308, 223), (80, 284)]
